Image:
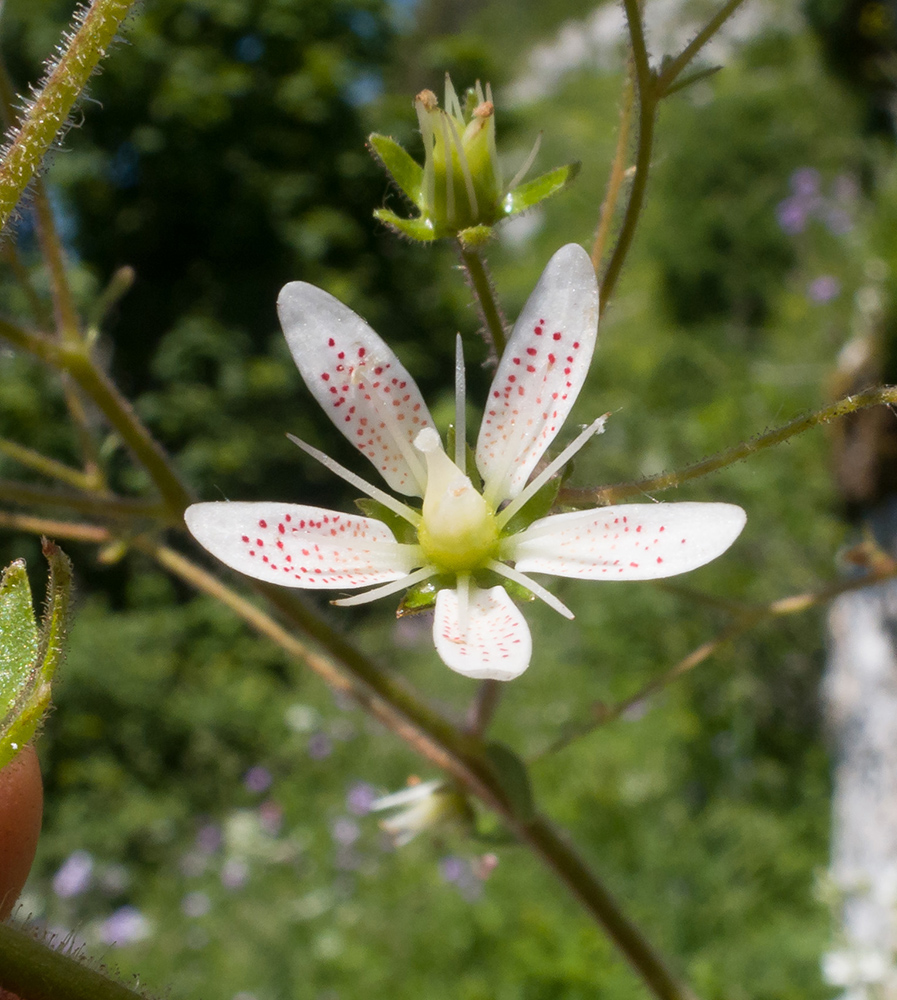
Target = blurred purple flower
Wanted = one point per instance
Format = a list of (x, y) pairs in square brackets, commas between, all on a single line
[(345, 831), (845, 188), (452, 869), (805, 182), (270, 817), (257, 779), (319, 746), (196, 904), (74, 875), (208, 838), (824, 289), (360, 798), (125, 926), (459, 873), (792, 215), (234, 873)]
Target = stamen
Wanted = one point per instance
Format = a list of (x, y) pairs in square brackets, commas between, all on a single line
[(460, 406), (505, 515), (396, 506), (465, 168), (512, 574), (463, 592), (452, 104), (527, 163), (445, 121), (387, 588)]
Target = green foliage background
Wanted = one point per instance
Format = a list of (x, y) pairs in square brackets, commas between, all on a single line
[(222, 154)]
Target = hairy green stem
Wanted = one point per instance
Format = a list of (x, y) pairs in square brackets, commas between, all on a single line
[(591, 496), (46, 466), (98, 505), (47, 114), (647, 111), (487, 303)]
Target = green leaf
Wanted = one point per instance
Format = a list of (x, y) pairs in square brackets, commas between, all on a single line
[(533, 192), (419, 598), (419, 230), (687, 81), (403, 531), (538, 505), (407, 173), (30, 655), (514, 779)]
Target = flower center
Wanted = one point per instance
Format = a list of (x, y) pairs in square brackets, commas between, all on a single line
[(458, 532)]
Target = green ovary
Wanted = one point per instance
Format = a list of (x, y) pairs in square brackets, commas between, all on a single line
[(458, 532)]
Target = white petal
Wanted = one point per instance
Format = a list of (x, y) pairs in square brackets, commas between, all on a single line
[(358, 380), (298, 546), (407, 796), (540, 374), (496, 643), (628, 542)]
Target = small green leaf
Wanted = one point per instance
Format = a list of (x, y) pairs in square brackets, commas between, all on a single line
[(419, 598), (538, 505), (403, 531), (30, 655), (419, 230), (407, 173), (513, 778), (701, 74), (533, 192)]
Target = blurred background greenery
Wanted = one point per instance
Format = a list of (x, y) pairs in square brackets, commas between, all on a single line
[(206, 800)]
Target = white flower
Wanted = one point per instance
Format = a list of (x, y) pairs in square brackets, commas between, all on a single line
[(460, 535), (423, 806)]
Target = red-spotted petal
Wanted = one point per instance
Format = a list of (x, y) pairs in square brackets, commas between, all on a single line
[(359, 382), (540, 374), (629, 542), (297, 546), (496, 641)]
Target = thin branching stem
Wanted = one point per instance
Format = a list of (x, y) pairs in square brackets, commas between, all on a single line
[(589, 496), (45, 465), (674, 68), (101, 506), (71, 530)]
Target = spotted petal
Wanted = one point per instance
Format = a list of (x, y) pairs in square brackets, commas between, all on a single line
[(541, 372), (360, 383), (629, 542), (496, 641), (298, 546)]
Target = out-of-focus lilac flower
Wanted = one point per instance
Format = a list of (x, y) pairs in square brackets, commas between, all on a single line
[(345, 831), (125, 926), (805, 182), (196, 904), (270, 817), (823, 289), (360, 798), (208, 838), (257, 779), (459, 873), (234, 873), (792, 215), (74, 875), (319, 746)]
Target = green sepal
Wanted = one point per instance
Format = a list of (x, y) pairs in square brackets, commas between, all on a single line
[(419, 598), (407, 173), (530, 194), (513, 779), (420, 230), (538, 505), (475, 236), (29, 655), (402, 529), (487, 579)]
